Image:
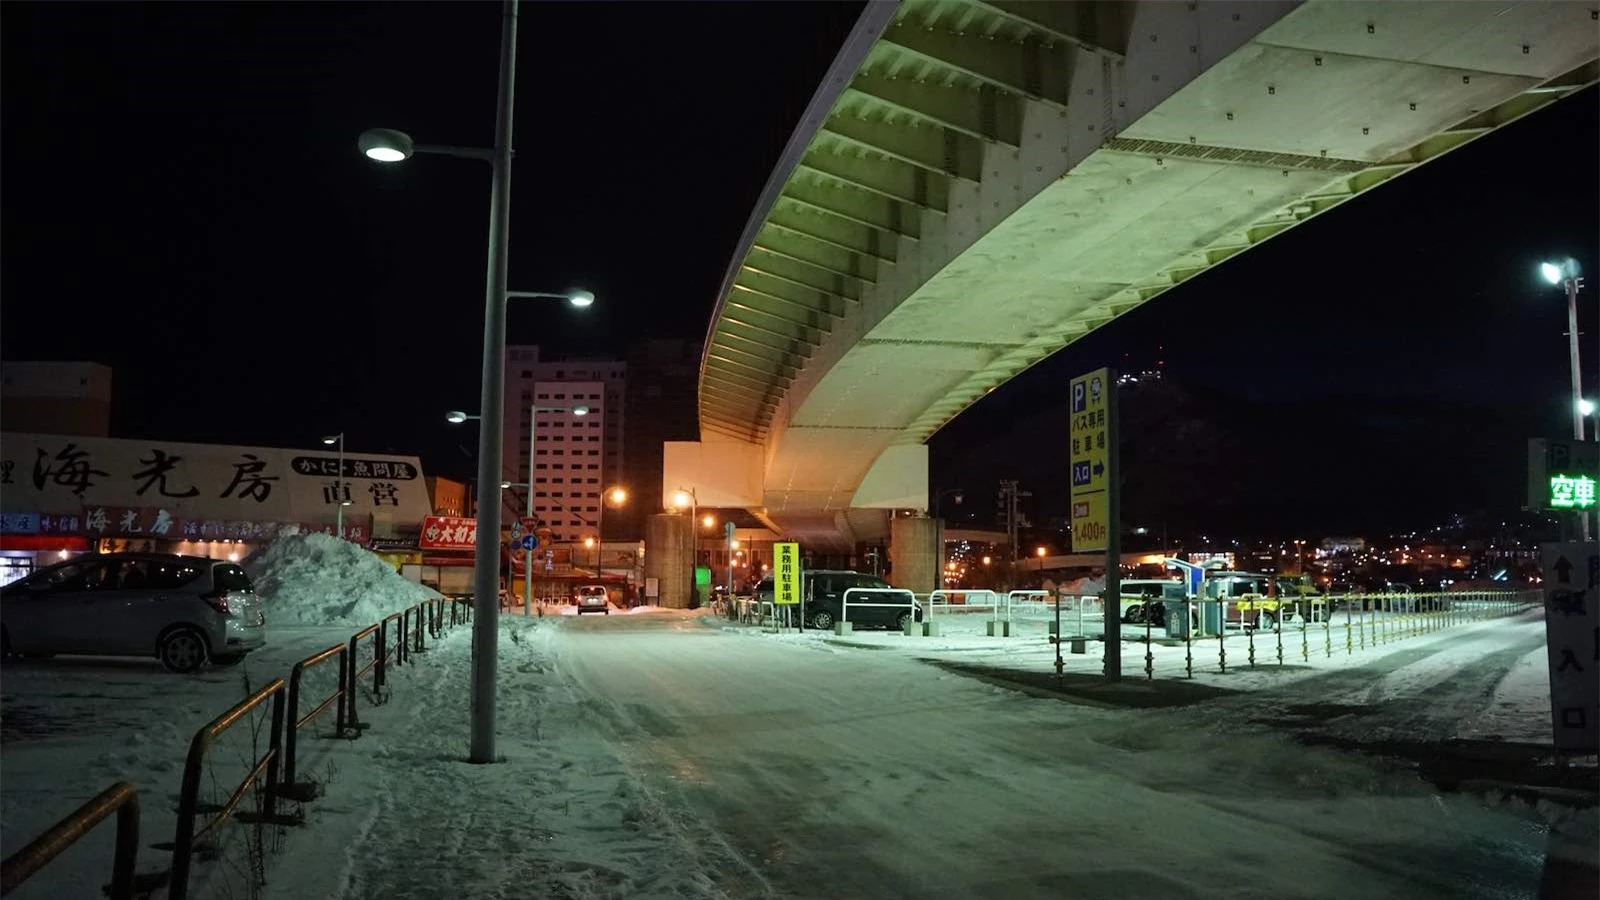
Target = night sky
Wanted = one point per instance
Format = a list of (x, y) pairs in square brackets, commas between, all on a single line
[(184, 202)]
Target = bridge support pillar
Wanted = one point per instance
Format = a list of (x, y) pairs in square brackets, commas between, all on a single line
[(668, 559), (914, 553)]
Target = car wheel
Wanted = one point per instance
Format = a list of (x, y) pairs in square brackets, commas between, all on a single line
[(822, 620), (182, 650), (1266, 621), (902, 621)]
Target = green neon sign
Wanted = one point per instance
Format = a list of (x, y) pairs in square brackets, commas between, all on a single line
[(1572, 492)]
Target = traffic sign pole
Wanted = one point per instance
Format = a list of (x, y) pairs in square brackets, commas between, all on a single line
[(1113, 604)]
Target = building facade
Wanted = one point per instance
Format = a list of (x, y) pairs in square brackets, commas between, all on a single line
[(661, 402), (56, 398), (574, 459)]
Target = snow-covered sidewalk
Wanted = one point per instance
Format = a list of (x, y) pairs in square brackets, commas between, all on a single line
[(406, 816)]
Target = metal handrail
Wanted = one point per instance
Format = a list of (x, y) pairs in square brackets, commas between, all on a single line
[(120, 798), (844, 601), (291, 787), (186, 837), (356, 670)]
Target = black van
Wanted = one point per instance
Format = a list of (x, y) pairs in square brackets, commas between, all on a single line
[(824, 589)]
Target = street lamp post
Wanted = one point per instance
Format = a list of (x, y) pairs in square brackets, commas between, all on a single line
[(338, 485), (1566, 275), (386, 145)]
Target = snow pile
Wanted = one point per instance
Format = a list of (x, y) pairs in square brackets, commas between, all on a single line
[(318, 579)]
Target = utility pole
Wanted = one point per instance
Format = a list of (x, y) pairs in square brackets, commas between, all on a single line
[(1011, 515)]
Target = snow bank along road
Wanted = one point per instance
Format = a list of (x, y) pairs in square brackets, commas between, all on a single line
[(658, 756)]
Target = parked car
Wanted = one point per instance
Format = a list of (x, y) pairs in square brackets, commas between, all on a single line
[(1141, 599), (184, 610), (824, 590), (592, 598)]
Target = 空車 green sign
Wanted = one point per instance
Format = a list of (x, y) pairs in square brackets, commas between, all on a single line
[(1571, 492)]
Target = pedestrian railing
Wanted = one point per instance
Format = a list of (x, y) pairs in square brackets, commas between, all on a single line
[(274, 774), (877, 598), (264, 770), (1250, 631), (292, 787), (120, 800)]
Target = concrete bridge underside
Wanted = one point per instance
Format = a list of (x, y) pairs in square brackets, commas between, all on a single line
[(976, 185)]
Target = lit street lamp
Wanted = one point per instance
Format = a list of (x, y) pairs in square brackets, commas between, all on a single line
[(1566, 275), (389, 146), (338, 484)]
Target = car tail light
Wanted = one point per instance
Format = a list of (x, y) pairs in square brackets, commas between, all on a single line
[(218, 602)]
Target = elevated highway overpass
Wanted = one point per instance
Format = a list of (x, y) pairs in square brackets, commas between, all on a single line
[(979, 183)]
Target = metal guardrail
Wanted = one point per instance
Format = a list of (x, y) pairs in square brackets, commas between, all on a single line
[(291, 787), (909, 603), (120, 799), (355, 670), (187, 838), (274, 770)]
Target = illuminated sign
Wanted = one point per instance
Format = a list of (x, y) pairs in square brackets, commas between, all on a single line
[(786, 574), (1089, 429), (1571, 492)]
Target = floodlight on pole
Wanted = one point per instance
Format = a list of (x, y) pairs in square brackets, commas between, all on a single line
[(456, 417), (338, 483), (1586, 406), (1565, 274)]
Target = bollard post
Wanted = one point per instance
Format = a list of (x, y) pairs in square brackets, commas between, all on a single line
[(1305, 645), (1349, 639), (1250, 639), (1327, 631), (1222, 644), (1058, 636), (1149, 648), (1188, 639), (1277, 630), (1361, 627)]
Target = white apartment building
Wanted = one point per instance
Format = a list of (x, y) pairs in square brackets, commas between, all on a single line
[(575, 459)]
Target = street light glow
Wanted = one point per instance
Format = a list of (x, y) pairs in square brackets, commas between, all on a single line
[(385, 144), (1551, 272), (581, 299), (331, 439), (580, 410), (456, 417), (680, 499), (708, 521), (1040, 552), (618, 496), (1586, 407)]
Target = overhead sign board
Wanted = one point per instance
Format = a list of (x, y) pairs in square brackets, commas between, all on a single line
[(1563, 474), (1572, 632), (786, 574), (1090, 474), (86, 479), (448, 533)]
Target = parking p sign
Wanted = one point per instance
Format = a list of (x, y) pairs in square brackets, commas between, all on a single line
[(786, 574)]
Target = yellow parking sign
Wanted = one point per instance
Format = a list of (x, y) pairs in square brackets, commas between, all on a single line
[(786, 574)]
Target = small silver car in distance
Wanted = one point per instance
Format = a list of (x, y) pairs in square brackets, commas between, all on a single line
[(592, 598), (184, 610)]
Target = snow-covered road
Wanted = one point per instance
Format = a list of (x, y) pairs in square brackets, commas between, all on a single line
[(666, 755), (852, 773)]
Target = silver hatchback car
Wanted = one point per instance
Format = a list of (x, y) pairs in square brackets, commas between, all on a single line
[(184, 610)]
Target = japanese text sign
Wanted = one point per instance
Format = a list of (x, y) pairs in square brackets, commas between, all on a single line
[(448, 533), (1090, 436), (785, 574), (69, 474), (1572, 632)]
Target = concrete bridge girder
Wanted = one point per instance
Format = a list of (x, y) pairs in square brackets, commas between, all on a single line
[(980, 183)]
